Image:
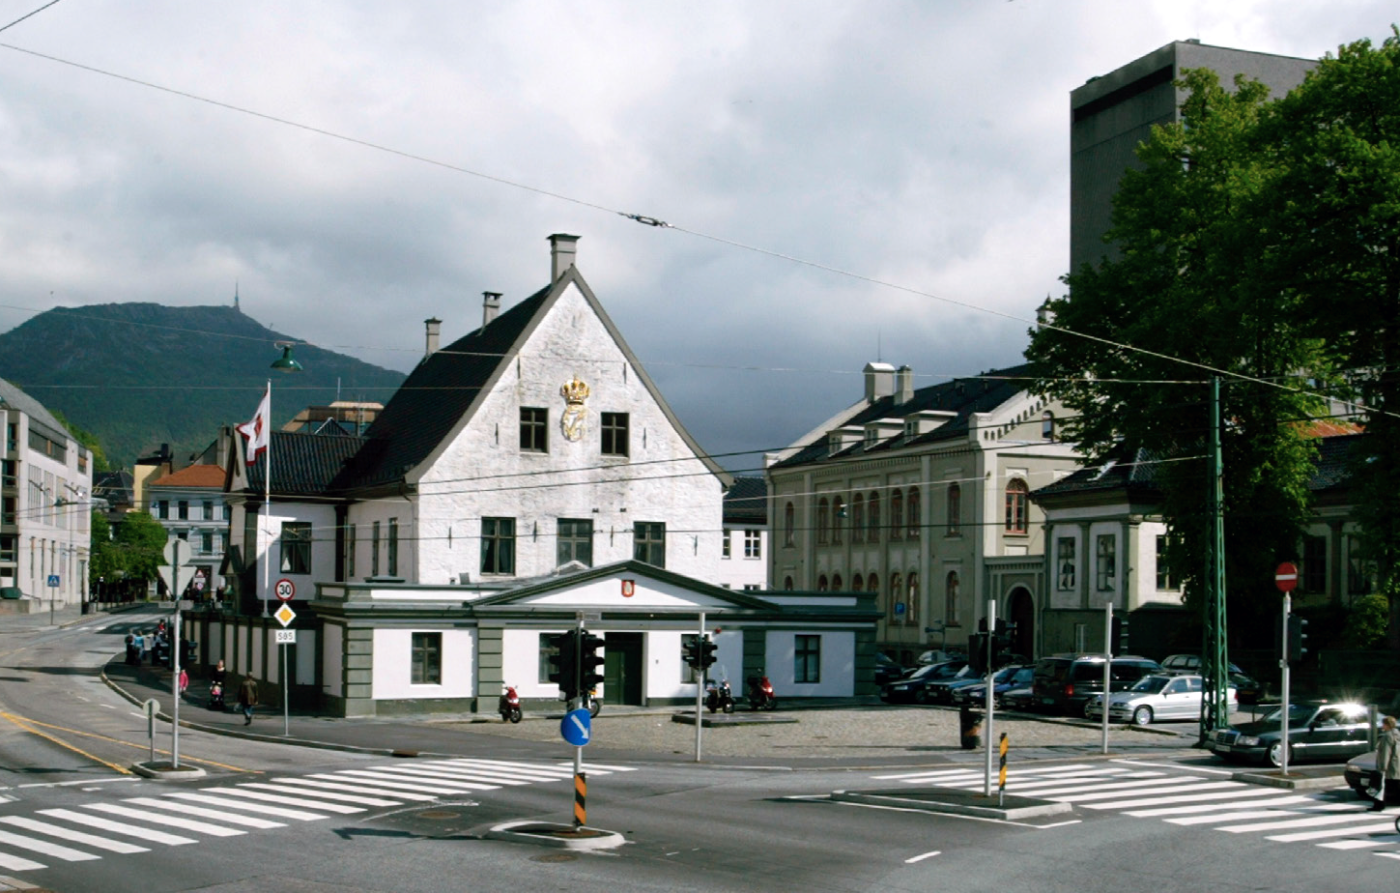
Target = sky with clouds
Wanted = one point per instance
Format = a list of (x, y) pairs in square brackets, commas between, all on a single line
[(922, 144)]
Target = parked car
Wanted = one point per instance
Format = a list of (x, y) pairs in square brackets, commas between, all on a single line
[(1022, 698), (1358, 772), (939, 656), (886, 670), (1317, 730), (1153, 698), (1066, 682), (1248, 689), (1007, 678), (941, 692), (911, 687)]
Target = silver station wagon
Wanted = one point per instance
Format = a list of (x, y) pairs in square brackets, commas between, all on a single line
[(1152, 698)]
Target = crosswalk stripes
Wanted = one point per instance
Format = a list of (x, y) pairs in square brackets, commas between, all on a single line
[(1189, 800), (230, 809)]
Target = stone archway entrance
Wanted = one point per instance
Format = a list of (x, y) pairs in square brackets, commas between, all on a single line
[(1020, 610)]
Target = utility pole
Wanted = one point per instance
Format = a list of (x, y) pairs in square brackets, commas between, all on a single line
[(1215, 660)]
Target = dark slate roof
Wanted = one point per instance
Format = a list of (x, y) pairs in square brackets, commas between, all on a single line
[(434, 398), (114, 486), (334, 427), (1334, 456), (1130, 470), (963, 396), (304, 464), (14, 397), (747, 501)]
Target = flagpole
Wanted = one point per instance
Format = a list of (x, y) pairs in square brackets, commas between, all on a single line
[(267, 499)]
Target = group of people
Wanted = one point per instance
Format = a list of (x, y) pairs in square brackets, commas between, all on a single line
[(157, 643), (247, 693)]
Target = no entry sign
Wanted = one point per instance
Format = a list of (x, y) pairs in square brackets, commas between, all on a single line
[(1286, 577)]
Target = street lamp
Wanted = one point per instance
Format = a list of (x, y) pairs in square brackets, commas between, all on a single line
[(286, 363), (256, 435)]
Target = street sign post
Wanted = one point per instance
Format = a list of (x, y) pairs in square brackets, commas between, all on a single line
[(285, 590), (577, 727), (285, 615), (286, 636), (1286, 579)]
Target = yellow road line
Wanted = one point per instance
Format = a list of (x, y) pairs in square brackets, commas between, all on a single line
[(26, 723), (23, 724)]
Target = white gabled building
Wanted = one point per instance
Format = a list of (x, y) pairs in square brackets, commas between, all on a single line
[(45, 503), (529, 453)]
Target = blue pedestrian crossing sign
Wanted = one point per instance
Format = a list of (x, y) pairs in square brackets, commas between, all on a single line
[(576, 727), (53, 581)]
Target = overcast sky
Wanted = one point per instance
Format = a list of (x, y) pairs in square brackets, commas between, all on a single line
[(921, 144)]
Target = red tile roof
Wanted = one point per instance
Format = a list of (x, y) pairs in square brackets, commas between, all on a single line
[(193, 476)]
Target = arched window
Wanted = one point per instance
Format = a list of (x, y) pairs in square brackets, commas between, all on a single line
[(954, 510), (1047, 426), (789, 521), (821, 583), (1017, 497), (835, 582), (896, 596), (911, 599), (858, 519), (787, 584), (838, 519), (872, 518), (896, 515), (823, 510), (872, 584), (915, 525), (856, 584), (950, 604)]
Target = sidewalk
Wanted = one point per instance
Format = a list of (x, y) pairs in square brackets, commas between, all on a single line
[(60, 616)]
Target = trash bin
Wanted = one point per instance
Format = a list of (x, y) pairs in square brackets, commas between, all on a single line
[(970, 727)]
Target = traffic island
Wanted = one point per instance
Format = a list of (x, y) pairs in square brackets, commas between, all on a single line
[(556, 834), (1311, 778), (954, 801), (164, 769), (723, 720)]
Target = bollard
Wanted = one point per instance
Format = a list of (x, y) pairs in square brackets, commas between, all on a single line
[(581, 794)]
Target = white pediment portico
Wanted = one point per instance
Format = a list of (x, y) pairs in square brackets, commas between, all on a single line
[(625, 586)]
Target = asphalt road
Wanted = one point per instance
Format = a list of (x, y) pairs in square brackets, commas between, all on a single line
[(269, 816)]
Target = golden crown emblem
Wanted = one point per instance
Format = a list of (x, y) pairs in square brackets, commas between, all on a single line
[(574, 391)]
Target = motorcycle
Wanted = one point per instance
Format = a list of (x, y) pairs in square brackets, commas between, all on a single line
[(591, 700), (509, 705), (760, 694), (719, 697)]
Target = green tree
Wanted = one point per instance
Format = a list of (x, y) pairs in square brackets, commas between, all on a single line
[(1192, 288), (140, 542), (87, 439), (1366, 622), (1336, 203)]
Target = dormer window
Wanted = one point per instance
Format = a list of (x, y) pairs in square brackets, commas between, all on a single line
[(872, 437)]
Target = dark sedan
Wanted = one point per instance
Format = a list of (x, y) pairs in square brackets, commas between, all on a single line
[(1317, 730), (1006, 679), (912, 687)]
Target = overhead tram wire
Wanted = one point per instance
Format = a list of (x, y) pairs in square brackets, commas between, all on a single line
[(650, 221)]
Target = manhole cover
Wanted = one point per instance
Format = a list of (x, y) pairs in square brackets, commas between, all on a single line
[(554, 857), (440, 814)]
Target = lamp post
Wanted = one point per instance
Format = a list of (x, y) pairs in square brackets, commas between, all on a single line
[(285, 363)]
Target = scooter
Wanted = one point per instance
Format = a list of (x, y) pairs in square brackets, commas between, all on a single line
[(760, 694), (719, 697), (591, 700), (509, 705)]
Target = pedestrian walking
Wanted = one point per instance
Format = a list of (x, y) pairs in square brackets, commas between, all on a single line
[(184, 680), (1387, 777), (248, 698)]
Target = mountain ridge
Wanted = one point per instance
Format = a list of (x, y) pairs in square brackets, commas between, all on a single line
[(141, 374)]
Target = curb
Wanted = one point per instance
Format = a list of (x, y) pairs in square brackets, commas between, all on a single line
[(557, 835), (1031, 808)]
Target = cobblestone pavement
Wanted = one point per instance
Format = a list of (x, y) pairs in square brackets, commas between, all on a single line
[(875, 732)]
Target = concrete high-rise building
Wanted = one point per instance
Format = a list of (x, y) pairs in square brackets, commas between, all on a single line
[(1112, 113)]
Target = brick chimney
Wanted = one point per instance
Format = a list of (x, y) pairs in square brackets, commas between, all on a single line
[(433, 326), (490, 307), (563, 249)]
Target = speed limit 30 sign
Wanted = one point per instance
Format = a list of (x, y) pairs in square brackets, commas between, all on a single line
[(285, 589)]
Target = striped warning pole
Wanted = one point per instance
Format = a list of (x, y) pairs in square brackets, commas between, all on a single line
[(580, 795), (1001, 777)]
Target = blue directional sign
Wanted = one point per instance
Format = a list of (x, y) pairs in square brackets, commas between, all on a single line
[(53, 581), (576, 727)]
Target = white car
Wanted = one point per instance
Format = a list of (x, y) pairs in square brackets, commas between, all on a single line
[(1155, 697)]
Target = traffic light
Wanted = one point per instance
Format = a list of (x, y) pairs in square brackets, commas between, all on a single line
[(590, 651), (692, 652), (1297, 637), (562, 666), (977, 653), (707, 652)]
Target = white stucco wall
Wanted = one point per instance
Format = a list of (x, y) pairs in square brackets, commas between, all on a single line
[(363, 515), (738, 571), (582, 483), (838, 655), (322, 520), (393, 664), (520, 663)]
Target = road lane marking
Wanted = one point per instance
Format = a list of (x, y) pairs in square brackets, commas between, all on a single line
[(354, 788), (216, 814), (262, 808), (922, 857), (1333, 832), (126, 828), (156, 819), (67, 854), (316, 794), (28, 726), (92, 840), (262, 797), (1177, 766), (1278, 800), (25, 723)]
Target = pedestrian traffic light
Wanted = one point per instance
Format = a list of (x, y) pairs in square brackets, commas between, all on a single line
[(562, 666), (707, 652), (590, 661), (692, 652), (1297, 637)]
